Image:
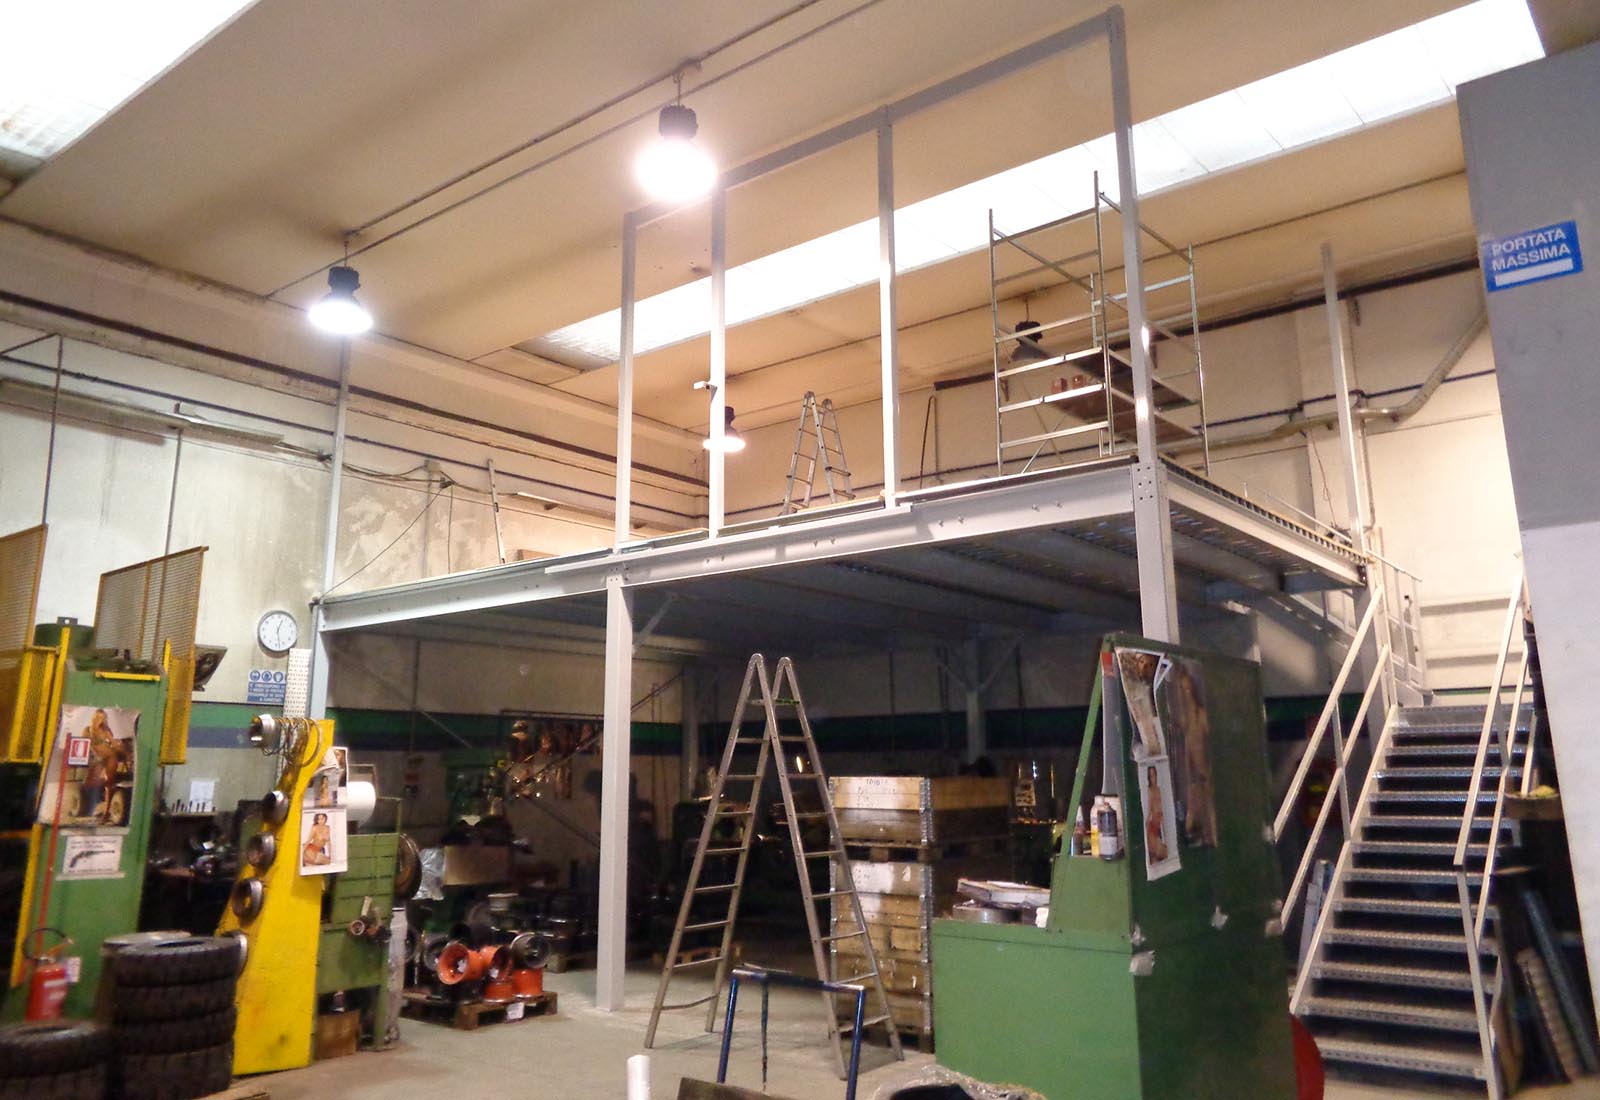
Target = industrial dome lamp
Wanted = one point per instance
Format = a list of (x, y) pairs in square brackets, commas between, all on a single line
[(673, 168), (732, 442), (339, 312)]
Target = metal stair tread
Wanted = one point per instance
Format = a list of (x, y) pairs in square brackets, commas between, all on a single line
[(1423, 1059), (1416, 847), (1392, 1012), (1406, 907), (1443, 876), (1382, 974), (1405, 941), (1428, 821), (1454, 748), (1440, 771), (1430, 796)]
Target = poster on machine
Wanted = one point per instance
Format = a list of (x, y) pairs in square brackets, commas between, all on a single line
[(324, 814), (1172, 749), (1180, 692), (89, 778)]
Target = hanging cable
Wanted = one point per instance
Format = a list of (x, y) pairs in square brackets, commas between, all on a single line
[(392, 542)]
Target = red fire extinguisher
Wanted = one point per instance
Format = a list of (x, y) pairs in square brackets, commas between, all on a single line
[(49, 982)]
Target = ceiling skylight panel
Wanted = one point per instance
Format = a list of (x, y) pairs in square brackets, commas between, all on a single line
[(1160, 160), (1388, 76), (1480, 39), (1221, 132), (72, 62), (1300, 105)]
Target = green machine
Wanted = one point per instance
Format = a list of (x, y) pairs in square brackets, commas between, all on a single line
[(352, 948), (88, 715), (1160, 973)]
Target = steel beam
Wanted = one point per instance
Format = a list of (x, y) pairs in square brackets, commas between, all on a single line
[(624, 490), (615, 793), (1349, 443), (888, 324), (1152, 520), (1095, 560), (317, 690), (1313, 553), (994, 580), (717, 458)]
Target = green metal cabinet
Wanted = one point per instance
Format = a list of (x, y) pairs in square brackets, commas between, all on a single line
[(1173, 989), (346, 963)]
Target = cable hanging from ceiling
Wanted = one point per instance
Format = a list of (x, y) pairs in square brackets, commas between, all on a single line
[(575, 121)]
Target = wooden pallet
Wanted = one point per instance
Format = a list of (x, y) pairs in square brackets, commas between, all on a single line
[(420, 1004)]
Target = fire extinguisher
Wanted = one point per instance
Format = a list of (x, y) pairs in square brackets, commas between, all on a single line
[(49, 981)]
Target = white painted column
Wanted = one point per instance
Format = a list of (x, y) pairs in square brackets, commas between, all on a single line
[(317, 695), (888, 333), (1152, 522), (689, 704), (615, 791), (973, 684), (1350, 443), (717, 460), (624, 490)]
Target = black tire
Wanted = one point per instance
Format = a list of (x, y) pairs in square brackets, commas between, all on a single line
[(50, 1047), (179, 1076), (148, 1003), (177, 962), (78, 1084), (174, 1036)]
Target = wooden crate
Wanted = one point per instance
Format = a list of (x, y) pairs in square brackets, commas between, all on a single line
[(919, 811)]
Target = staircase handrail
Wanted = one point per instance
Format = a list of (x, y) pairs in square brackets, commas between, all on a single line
[(1329, 709), (1475, 905)]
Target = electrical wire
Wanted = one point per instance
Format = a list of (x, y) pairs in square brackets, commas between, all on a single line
[(392, 542), (473, 196)]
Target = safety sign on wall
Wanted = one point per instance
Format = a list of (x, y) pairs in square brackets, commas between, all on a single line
[(1532, 256), (267, 686)]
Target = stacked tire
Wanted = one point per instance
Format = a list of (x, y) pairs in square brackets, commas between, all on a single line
[(53, 1060), (172, 1018)]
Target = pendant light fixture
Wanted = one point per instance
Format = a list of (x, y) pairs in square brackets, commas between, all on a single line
[(673, 168), (732, 441), (339, 313)]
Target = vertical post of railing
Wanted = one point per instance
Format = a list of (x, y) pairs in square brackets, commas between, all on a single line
[(623, 492), (888, 314), (717, 481)]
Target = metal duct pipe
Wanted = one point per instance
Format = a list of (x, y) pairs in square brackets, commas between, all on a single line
[(1299, 422)]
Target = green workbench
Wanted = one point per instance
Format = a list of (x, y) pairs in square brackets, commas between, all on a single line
[(1173, 989)]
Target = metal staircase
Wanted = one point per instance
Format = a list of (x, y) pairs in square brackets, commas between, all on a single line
[(1389, 982), (1403, 975)]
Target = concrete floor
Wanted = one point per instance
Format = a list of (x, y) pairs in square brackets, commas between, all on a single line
[(581, 1054)]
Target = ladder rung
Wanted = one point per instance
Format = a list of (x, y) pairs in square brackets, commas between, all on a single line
[(868, 1022), (748, 740), (746, 812), (785, 702), (791, 737), (705, 925), (690, 1004), (740, 775), (825, 854), (857, 977), (826, 894), (723, 851), (697, 962), (719, 888), (810, 815), (857, 934)]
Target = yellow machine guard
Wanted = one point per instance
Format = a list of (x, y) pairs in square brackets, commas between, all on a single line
[(277, 994)]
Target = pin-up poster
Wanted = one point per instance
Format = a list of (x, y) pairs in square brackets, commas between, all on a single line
[(90, 776), (324, 815)]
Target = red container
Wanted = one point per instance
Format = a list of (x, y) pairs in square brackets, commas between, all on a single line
[(47, 989)]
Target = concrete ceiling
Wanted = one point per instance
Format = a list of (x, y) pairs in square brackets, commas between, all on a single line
[(245, 163)]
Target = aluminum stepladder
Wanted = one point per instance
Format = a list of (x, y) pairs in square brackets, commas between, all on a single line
[(817, 443), (741, 809)]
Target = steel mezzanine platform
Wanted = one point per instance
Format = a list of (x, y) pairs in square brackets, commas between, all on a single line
[(1048, 553)]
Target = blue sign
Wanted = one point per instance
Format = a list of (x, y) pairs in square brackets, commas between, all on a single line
[(1532, 256), (267, 686)]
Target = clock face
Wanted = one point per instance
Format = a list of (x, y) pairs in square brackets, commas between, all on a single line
[(277, 632)]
